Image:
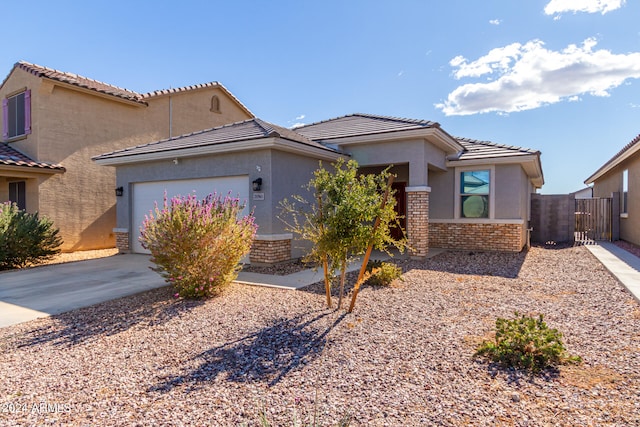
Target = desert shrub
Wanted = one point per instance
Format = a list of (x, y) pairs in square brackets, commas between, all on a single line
[(526, 342), (25, 238), (198, 244), (382, 273)]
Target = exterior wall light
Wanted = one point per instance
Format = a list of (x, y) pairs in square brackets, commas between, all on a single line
[(257, 184), (119, 191)]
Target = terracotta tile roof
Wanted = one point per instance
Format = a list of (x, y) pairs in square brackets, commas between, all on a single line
[(360, 124), (214, 84), (105, 88), (80, 81), (626, 151), (475, 149), (11, 157), (247, 130)]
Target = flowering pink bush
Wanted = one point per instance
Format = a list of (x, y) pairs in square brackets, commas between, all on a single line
[(198, 245)]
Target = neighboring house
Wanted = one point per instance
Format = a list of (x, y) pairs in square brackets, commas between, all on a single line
[(53, 123), (620, 178), (583, 193), (455, 192)]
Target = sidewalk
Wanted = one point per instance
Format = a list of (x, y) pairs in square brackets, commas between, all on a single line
[(622, 264), (306, 277)]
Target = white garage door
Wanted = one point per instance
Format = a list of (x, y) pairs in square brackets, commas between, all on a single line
[(146, 194)]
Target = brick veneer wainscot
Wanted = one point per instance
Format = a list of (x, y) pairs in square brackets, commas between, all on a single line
[(270, 251), (477, 236), (122, 241)]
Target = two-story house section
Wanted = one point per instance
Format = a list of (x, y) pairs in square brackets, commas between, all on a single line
[(53, 122)]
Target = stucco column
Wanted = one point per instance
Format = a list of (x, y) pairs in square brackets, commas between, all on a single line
[(418, 221)]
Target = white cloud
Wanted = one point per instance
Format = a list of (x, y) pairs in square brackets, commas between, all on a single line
[(297, 125), (589, 6), (300, 117), (529, 76), (495, 22)]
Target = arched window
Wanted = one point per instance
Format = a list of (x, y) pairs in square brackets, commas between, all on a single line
[(215, 104)]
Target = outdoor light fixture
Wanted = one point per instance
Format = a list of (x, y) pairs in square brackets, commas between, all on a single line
[(257, 184), (119, 191)]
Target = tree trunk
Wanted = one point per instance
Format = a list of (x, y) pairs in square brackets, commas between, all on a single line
[(325, 261), (343, 275), (327, 280), (356, 287)]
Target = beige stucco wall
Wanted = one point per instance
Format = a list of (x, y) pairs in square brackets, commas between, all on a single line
[(69, 126), (191, 111), (608, 184), (612, 182)]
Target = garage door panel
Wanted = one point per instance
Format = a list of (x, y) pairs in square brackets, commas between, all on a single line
[(146, 194)]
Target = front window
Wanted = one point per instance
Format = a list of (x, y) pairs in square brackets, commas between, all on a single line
[(16, 112), (474, 194), (18, 194)]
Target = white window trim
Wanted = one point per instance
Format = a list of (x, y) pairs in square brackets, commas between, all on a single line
[(492, 191), (625, 186)]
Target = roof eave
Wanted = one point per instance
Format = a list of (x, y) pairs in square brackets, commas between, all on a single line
[(529, 162), (611, 164), (95, 92), (434, 135), (24, 171), (222, 148)]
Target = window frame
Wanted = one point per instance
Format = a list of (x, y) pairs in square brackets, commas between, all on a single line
[(458, 194), (20, 196), (624, 195), (8, 113)]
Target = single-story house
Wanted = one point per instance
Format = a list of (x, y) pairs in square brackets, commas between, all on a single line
[(455, 192), (53, 122), (619, 177), (583, 193)]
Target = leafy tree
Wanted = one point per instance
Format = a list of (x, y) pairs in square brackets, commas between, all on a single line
[(25, 238), (351, 214)]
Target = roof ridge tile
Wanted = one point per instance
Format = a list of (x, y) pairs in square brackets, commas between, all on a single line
[(495, 144), (41, 69)]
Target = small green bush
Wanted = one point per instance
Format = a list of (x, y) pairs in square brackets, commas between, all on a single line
[(526, 342), (382, 273), (25, 238), (198, 245)]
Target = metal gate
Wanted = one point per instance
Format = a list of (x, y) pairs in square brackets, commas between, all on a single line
[(593, 220)]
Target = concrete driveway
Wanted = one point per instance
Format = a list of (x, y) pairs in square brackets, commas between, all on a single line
[(52, 289)]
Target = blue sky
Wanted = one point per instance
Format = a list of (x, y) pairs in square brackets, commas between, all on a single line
[(559, 76)]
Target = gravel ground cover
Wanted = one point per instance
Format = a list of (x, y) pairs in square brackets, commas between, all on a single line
[(629, 247), (403, 358)]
